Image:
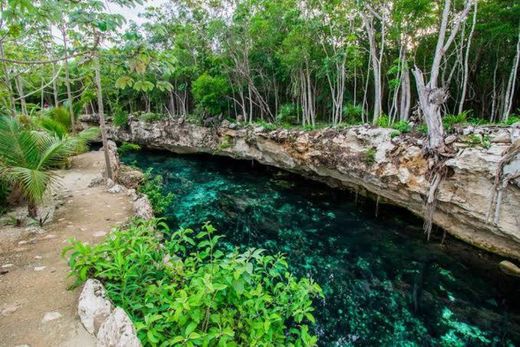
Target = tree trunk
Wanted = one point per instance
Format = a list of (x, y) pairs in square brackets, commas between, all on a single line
[(7, 80), (67, 80), (19, 85), (466, 61), (101, 113), (510, 91)]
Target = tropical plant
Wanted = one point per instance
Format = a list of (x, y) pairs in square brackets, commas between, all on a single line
[(189, 291), (153, 187), (28, 156)]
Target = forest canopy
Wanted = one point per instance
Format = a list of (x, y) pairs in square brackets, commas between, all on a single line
[(304, 62)]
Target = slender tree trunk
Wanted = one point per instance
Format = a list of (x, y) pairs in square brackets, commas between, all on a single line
[(494, 95), (7, 80), (19, 86), (511, 85), (466, 60), (101, 113), (376, 65), (67, 79)]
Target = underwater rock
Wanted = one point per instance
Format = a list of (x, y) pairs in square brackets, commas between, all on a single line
[(93, 307), (117, 331), (509, 268), (365, 159)]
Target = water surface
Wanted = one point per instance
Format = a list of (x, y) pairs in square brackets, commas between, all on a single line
[(383, 284)]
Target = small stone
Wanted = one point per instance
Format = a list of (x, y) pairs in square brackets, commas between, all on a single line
[(5, 266), (40, 268), (23, 242), (509, 268), (50, 316), (450, 139), (10, 308), (116, 189), (99, 234), (49, 237), (38, 257)]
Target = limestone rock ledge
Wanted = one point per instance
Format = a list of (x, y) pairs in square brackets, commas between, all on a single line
[(111, 326), (368, 160)]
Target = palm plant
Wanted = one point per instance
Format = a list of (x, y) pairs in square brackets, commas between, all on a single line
[(28, 156)]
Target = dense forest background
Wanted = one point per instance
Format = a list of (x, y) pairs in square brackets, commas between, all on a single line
[(306, 62)]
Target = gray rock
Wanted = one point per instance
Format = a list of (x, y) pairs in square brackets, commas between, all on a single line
[(93, 307), (509, 268), (503, 136), (116, 189), (110, 183), (130, 177), (117, 331), (450, 139), (143, 208), (96, 181)]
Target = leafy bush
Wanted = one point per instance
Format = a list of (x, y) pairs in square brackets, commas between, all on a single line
[(120, 119), (59, 114), (287, 114), (151, 117), (450, 120), (266, 125), (479, 140), (352, 113), (153, 187), (370, 156), (188, 291), (210, 94), (402, 126), (383, 121), (128, 147), (511, 120)]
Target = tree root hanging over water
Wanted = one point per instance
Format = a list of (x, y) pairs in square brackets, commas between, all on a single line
[(438, 172), (502, 181)]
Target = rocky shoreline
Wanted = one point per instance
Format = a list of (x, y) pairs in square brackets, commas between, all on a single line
[(370, 161)]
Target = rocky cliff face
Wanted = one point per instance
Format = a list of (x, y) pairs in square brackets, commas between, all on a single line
[(371, 162)]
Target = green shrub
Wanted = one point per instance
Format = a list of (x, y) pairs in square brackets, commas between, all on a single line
[(59, 114), (479, 140), (189, 291), (402, 126), (128, 147), (450, 120), (395, 133), (352, 114), (383, 121), (210, 93), (151, 117), (153, 187), (287, 114), (266, 125), (511, 120), (423, 129), (5, 189), (370, 156), (120, 119)]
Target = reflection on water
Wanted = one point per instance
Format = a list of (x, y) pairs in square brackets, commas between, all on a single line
[(384, 286)]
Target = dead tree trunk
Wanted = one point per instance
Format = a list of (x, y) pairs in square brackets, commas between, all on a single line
[(101, 113)]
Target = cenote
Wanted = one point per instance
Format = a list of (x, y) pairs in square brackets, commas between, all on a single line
[(383, 284)]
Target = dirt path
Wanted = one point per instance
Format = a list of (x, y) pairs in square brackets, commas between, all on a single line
[(36, 309)]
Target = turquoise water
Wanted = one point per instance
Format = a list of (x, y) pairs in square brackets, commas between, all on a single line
[(383, 284)]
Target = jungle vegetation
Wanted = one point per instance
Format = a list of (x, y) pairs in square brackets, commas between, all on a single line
[(289, 62)]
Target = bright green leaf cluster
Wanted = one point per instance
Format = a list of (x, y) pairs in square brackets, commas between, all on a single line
[(188, 291)]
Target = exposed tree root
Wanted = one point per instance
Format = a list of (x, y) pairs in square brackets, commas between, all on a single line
[(437, 173), (501, 182)]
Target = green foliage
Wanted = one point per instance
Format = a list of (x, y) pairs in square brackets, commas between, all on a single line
[(383, 121), (227, 142), (352, 113), (151, 117), (266, 125), (402, 126), (128, 147), (60, 115), (479, 140), (27, 157), (511, 120), (188, 291), (423, 129), (120, 118), (451, 120), (370, 156), (287, 114), (210, 94), (153, 187)]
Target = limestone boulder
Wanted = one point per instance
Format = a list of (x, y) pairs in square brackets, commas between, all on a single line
[(117, 331), (93, 307)]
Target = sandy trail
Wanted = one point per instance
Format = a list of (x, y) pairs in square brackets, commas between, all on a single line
[(36, 284)]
